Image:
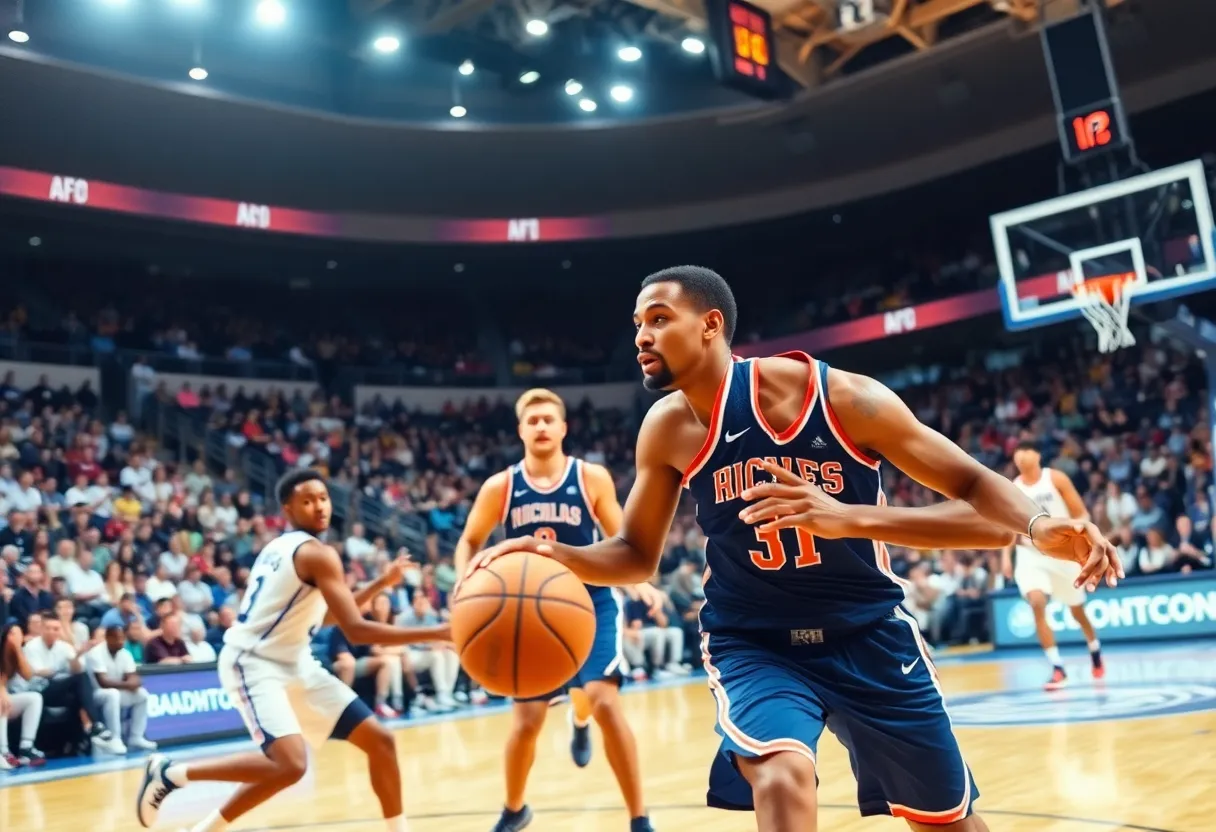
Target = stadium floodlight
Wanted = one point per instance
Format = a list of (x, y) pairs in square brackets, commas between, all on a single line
[(198, 73), (458, 112), (386, 44), (621, 93), (693, 46), (587, 105), (629, 54), (270, 13), (573, 87), (537, 28), (529, 77), (466, 68), (19, 36)]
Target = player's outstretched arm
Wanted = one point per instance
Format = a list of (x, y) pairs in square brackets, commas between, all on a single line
[(632, 555), (873, 417), (485, 515), (319, 565), (791, 501), (391, 577)]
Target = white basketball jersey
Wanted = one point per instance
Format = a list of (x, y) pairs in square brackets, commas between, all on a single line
[(279, 612), (1046, 496)]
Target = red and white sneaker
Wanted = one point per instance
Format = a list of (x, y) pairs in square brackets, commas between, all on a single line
[(1099, 669), (385, 712), (1058, 680)]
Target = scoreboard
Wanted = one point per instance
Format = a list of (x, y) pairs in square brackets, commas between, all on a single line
[(743, 52)]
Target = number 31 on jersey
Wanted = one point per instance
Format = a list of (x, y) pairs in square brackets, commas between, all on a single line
[(773, 556)]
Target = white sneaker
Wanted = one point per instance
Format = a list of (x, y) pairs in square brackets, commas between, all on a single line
[(141, 744), (105, 741), (5, 765), (153, 791)]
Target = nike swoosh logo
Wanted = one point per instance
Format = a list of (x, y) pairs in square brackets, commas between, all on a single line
[(521, 493), (907, 668), (731, 437)]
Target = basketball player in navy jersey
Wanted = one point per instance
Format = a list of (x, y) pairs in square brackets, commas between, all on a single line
[(802, 626), (551, 496)]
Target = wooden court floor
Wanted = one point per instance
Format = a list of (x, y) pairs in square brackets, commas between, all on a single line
[(1135, 753)]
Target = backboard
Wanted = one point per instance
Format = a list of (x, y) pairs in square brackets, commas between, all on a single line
[(1155, 228)]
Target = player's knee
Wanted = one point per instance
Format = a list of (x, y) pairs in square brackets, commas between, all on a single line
[(785, 778), (290, 770), (381, 747), (605, 703), (529, 720), (1037, 602)]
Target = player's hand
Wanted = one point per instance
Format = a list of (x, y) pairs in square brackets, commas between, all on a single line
[(790, 501), (532, 545), (654, 598), (396, 570), (1079, 542)]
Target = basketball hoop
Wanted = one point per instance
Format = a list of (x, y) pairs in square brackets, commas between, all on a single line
[(1106, 303)]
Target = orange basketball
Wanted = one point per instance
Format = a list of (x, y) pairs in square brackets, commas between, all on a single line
[(523, 625)]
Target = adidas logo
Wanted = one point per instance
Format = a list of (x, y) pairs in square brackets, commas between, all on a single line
[(572, 490), (818, 443)]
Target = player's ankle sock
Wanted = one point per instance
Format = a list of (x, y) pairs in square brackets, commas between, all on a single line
[(214, 822), (1053, 656), (513, 814), (396, 824), (176, 775), (1095, 652)]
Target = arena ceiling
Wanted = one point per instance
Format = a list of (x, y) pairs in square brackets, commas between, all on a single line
[(866, 123)]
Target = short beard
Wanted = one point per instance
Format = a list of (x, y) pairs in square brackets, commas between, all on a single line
[(662, 380)]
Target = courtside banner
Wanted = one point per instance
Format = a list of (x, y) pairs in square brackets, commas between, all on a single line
[(1172, 606), (187, 704)]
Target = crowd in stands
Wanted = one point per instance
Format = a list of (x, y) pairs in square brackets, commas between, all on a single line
[(319, 331), (113, 556)]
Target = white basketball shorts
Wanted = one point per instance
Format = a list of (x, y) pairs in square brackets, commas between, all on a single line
[(277, 699), (1033, 570)]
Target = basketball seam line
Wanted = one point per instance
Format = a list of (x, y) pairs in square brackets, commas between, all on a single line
[(540, 613), (489, 621), (519, 625), (526, 596)]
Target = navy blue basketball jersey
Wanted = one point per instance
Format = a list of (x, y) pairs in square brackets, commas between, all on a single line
[(562, 512), (785, 579)]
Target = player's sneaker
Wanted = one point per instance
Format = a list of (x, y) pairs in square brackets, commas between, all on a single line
[(385, 712), (31, 757), (153, 791), (580, 742), (641, 824), (1099, 667), (510, 821), (8, 762), (1058, 680)]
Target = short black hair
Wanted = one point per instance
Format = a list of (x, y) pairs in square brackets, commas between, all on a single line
[(706, 288), (297, 476), (1027, 445)]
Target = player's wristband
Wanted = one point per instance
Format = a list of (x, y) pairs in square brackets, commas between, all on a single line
[(1030, 525)]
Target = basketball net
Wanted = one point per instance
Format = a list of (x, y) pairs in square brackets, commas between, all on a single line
[(1106, 303)]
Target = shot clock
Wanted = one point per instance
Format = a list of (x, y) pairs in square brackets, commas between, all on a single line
[(744, 55)]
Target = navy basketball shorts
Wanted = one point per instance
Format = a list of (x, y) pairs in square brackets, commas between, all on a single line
[(606, 662), (876, 690)]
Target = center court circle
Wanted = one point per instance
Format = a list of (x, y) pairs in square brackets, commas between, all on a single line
[(1083, 704)]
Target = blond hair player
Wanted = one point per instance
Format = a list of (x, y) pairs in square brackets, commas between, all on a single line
[(556, 497)]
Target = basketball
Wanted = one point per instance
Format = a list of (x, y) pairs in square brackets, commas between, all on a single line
[(523, 625)]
